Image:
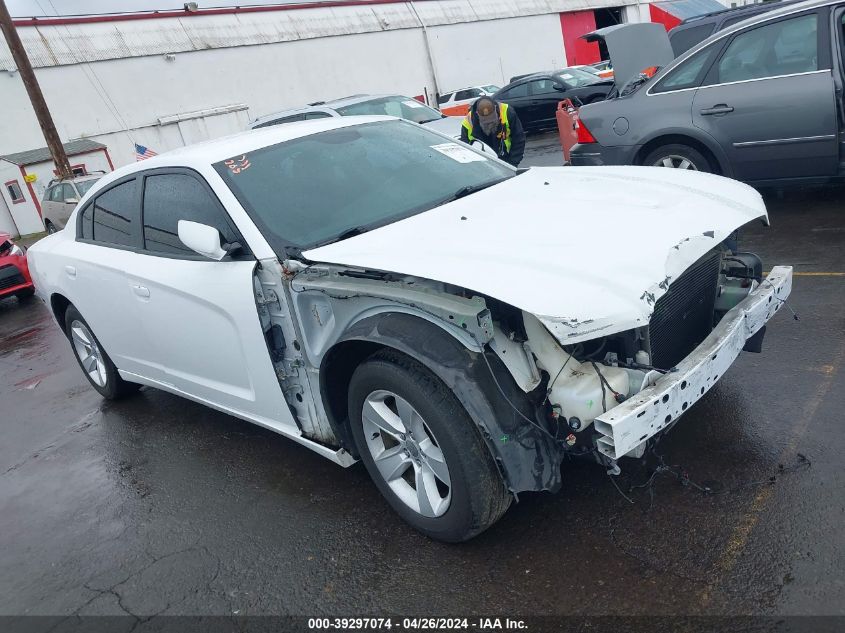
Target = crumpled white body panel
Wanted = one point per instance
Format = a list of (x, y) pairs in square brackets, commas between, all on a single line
[(587, 250)]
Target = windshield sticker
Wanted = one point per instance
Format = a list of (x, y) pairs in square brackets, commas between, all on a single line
[(237, 165), (458, 153), (566, 76), (413, 103)]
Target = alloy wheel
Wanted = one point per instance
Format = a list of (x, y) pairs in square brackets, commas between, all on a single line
[(406, 453), (674, 161), (88, 352)]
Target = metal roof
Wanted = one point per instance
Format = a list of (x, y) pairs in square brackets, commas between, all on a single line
[(42, 154), (685, 9), (60, 41)]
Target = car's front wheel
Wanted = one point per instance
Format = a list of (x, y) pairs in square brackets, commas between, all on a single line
[(678, 156), (422, 450), (93, 359)]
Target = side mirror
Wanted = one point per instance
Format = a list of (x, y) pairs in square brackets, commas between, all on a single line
[(202, 239), (559, 87), (71, 200)]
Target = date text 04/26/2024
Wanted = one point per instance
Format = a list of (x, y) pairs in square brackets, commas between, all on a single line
[(417, 624)]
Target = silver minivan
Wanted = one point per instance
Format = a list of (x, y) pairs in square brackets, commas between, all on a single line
[(760, 102), (61, 198)]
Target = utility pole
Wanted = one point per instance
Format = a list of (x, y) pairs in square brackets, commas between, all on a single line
[(57, 150)]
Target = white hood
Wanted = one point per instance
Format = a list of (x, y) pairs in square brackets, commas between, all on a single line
[(587, 250)]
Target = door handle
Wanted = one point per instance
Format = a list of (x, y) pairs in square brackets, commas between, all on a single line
[(141, 291), (71, 271), (717, 109)]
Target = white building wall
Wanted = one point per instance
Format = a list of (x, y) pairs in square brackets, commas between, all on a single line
[(24, 214), (7, 224), (493, 51), (122, 82)]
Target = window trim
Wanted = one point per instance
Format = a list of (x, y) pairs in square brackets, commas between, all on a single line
[(822, 58), (702, 74), (821, 10), (246, 252), (136, 215), (22, 198)]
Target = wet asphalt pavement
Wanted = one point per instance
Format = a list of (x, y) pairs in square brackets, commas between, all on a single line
[(158, 505)]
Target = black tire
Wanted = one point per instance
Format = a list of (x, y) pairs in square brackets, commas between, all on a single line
[(114, 387), (478, 495), (50, 228), (25, 295), (696, 158)]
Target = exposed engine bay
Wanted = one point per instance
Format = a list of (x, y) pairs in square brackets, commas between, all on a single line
[(568, 387)]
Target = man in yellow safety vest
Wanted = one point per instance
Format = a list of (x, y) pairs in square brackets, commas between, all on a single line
[(496, 125)]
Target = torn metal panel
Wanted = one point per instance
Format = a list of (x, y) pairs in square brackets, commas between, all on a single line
[(629, 425), (589, 252)]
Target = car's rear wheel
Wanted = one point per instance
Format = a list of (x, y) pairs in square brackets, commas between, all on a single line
[(422, 450), (678, 156), (50, 227), (93, 359)]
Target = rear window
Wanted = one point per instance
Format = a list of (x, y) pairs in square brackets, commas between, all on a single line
[(684, 39)]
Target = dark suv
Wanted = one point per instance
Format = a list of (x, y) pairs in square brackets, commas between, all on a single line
[(695, 30)]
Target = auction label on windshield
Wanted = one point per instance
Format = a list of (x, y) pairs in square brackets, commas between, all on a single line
[(458, 153), (418, 624)]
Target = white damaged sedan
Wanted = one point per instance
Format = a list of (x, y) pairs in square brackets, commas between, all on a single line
[(377, 292)]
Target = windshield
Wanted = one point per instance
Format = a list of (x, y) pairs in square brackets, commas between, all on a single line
[(312, 190), (491, 89), (402, 107), (82, 186), (575, 77)]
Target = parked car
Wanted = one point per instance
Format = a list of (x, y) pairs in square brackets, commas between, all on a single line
[(604, 69), (61, 198), (695, 30), (759, 102), (372, 291), (536, 96), (457, 102), (367, 105), (15, 280)]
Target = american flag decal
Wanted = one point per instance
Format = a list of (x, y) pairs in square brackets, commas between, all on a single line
[(142, 153)]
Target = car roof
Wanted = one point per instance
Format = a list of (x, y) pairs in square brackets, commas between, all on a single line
[(203, 154), (758, 18), (729, 12), (324, 105)]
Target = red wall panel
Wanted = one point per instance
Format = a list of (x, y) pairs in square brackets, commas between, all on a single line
[(574, 25), (668, 20)]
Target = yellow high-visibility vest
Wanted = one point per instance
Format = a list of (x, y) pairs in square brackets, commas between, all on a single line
[(504, 135)]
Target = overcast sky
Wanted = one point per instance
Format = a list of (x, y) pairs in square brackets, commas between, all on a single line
[(28, 8)]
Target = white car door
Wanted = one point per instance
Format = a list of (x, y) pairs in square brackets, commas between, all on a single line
[(200, 315), (107, 236)]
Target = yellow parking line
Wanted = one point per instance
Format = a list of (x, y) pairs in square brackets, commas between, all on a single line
[(742, 532), (813, 274)]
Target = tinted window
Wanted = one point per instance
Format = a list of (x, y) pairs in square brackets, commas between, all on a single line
[(316, 115), (540, 86), (472, 93), (520, 90), (688, 74), (286, 119), (114, 211), (169, 198), (684, 39), (313, 189), (782, 48), (87, 223), (444, 98)]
